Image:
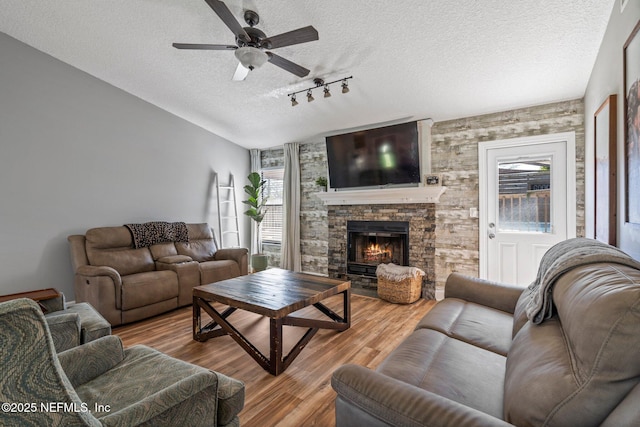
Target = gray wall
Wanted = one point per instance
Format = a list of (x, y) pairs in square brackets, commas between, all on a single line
[(76, 153), (606, 79)]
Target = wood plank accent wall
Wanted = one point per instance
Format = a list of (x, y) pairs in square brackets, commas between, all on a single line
[(314, 232), (454, 154)]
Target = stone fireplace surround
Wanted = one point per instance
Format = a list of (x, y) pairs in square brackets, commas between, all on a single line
[(422, 220)]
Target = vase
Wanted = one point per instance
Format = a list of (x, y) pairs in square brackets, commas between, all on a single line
[(259, 262)]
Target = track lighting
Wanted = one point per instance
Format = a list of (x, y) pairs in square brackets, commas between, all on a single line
[(319, 83), (345, 86)]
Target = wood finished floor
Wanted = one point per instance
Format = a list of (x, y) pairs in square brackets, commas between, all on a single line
[(302, 395)]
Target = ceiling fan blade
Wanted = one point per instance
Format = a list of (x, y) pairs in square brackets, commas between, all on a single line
[(240, 74), (227, 17), (301, 35), (287, 65), (204, 46)]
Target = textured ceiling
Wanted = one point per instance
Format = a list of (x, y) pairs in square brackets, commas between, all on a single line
[(409, 59)]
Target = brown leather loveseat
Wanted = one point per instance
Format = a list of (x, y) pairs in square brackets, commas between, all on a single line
[(563, 352), (126, 280)]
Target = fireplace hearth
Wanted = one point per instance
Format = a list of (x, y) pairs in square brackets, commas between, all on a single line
[(370, 243)]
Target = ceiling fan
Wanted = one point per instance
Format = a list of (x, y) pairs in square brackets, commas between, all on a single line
[(251, 43)]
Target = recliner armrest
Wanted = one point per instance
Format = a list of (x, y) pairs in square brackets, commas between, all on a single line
[(89, 361), (65, 329), (188, 272), (174, 259), (100, 270), (231, 253), (239, 255), (92, 276), (500, 296), (397, 403)]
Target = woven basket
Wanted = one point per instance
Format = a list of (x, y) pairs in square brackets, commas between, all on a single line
[(404, 291)]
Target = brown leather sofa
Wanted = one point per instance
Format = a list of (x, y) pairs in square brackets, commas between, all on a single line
[(126, 284), (482, 357)]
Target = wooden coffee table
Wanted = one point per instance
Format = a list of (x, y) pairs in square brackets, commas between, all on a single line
[(274, 293)]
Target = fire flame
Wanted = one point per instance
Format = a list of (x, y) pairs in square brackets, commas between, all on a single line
[(375, 252)]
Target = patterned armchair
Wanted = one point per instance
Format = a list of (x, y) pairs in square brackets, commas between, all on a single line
[(76, 324), (100, 383)]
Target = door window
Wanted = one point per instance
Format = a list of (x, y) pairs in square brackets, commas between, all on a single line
[(524, 196)]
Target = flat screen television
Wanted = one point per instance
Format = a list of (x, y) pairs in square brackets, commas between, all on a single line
[(375, 157)]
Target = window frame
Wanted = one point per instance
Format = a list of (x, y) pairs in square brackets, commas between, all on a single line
[(265, 174)]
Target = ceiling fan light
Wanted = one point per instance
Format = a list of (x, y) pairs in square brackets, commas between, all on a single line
[(251, 57), (327, 94)]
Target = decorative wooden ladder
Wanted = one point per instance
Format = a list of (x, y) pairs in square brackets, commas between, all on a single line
[(228, 218)]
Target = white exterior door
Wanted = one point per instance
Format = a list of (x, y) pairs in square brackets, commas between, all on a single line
[(527, 203)]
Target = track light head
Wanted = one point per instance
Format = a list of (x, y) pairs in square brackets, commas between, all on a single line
[(345, 86), (327, 94), (309, 96), (293, 101)]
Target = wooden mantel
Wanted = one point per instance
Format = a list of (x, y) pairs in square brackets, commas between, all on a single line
[(383, 196)]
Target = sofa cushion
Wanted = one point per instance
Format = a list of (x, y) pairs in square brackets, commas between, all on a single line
[(214, 271), (163, 250), (147, 384), (451, 368), (142, 289), (113, 247), (574, 368), (472, 323), (201, 245)]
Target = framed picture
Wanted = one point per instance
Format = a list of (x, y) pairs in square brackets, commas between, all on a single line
[(631, 67), (605, 138)]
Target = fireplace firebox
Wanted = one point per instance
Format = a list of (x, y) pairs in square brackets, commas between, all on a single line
[(370, 243)]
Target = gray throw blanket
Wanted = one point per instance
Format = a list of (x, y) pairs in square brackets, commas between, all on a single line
[(561, 258), (152, 233)]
